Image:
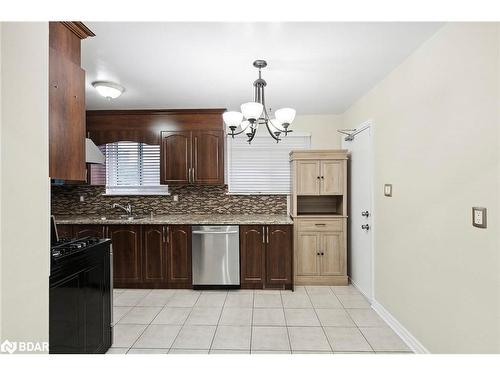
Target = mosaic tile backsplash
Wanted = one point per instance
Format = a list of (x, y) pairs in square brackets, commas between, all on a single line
[(192, 200)]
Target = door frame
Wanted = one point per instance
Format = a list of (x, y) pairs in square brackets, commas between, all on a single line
[(370, 124)]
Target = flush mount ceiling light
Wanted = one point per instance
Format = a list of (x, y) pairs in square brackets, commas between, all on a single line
[(109, 90), (255, 113)]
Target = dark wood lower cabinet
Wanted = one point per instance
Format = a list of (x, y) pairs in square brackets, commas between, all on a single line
[(159, 256), (127, 255), (252, 255), (90, 230), (266, 256), (154, 254), (179, 255)]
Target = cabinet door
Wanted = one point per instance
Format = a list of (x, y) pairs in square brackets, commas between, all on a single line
[(66, 118), (65, 230), (332, 254), (308, 177), (279, 254), (66, 328), (175, 160), (127, 260), (208, 157), (179, 254), (307, 258), (252, 255), (154, 253), (83, 230), (332, 177)]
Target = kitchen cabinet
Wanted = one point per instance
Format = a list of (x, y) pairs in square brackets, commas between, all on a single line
[(179, 255), (66, 101), (175, 162), (320, 251), (252, 255), (127, 254), (319, 177), (154, 253), (80, 302), (192, 157), (88, 230), (144, 256), (266, 256)]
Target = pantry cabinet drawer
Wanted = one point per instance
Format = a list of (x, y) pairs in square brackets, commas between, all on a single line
[(319, 225)]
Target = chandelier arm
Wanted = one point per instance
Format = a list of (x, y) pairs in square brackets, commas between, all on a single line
[(254, 131), (276, 138), (237, 133)]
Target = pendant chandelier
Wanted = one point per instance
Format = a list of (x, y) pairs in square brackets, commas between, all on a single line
[(255, 113)]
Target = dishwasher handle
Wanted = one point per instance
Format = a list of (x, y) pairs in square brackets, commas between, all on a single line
[(208, 232)]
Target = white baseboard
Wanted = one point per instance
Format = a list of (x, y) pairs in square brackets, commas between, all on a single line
[(402, 332), (369, 298)]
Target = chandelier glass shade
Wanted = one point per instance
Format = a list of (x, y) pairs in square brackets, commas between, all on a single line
[(255, 113)]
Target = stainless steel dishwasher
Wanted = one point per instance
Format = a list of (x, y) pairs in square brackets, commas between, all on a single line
[(216, 256)]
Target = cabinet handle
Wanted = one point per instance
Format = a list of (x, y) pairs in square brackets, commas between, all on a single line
[(189, 175), (168, 234), (320, 224), (267, 234), (192, 178), (163, 233), (263, 234)]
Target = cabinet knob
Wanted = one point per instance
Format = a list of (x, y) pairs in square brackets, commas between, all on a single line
[(365, 226), (322, 253), (317, 253), (365, 213), (322, 177), (318, 177)]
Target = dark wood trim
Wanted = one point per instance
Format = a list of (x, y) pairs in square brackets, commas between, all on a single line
[(78, 28), (187, 111)]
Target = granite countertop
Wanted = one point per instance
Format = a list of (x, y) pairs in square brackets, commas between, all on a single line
[(179, 219)]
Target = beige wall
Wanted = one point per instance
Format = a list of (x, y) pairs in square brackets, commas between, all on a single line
[(24, 183), (323, 129), (436, 140)]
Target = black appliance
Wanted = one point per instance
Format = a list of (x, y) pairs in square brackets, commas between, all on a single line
[(80, 296)]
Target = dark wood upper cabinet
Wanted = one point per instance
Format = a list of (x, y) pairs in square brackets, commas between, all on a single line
[(66, 101), (252, 255), (266, 256), (191, 140), (175, 162), (179, 254), (154, 253), (127, 255), (279, 254), (208, 157)]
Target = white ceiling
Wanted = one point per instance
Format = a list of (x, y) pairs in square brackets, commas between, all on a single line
[(316, 68)]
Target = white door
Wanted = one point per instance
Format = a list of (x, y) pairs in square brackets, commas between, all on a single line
[(360, 246)]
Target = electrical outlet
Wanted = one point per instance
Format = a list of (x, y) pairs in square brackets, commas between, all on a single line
[(479, 217), (82, 198), (175, 198), (388, 190)]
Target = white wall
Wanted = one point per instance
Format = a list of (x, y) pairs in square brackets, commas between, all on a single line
[(323, 129), (436, 140), (24, 183)]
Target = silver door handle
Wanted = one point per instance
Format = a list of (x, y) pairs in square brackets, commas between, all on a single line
[(263, 234), (267, 234), (365, 226), (365, 213)]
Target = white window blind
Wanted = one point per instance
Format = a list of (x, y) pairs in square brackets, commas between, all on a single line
[(131, 168), (262, 166)]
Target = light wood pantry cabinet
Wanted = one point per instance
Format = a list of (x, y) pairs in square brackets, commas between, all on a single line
[(319, 209)]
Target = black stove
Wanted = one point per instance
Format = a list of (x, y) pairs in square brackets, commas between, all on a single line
[(67, 247)]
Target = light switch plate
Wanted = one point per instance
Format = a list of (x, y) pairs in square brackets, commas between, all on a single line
[(388, 190), (479, 217)]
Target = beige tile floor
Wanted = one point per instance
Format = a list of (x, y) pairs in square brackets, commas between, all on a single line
[(312, 319)]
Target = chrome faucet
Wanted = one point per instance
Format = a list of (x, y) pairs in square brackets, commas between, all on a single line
[(127, 208)]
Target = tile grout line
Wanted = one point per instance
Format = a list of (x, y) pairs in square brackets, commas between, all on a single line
[(217, 325), (183, 324), (286, 324), (251, 321), (319, 321)]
